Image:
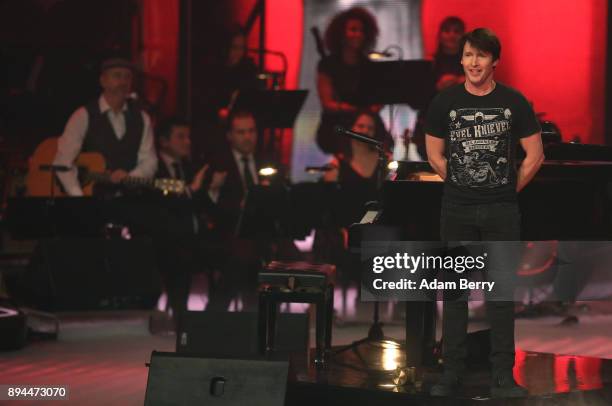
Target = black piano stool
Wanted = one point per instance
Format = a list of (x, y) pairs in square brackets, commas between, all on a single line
[(297, 282)]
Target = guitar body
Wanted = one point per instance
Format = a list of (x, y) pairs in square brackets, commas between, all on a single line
[(40, 183)]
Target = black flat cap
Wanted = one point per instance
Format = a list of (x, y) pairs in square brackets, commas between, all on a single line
[(117, 63)]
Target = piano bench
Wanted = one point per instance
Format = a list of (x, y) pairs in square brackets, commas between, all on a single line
[(297, 282)]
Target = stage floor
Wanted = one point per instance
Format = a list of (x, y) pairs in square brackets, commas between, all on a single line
[(369, 375), (102, 357)]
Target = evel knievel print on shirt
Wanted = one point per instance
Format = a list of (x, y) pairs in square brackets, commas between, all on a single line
[(479, 146), (481, 134)]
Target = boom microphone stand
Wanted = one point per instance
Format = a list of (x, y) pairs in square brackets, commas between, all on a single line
[(375, 333)]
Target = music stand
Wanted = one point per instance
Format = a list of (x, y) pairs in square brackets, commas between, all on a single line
[(274, 110), (33, 218), (262, 212), (313, 205), (398, 82)]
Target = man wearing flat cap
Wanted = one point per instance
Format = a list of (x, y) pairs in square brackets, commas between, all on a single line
[(112, 126)]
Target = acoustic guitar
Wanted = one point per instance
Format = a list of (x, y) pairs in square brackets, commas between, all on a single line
[(41, 182)]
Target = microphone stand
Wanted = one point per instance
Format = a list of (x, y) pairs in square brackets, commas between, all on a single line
[(54, 169), (50, 202), (375, 333)]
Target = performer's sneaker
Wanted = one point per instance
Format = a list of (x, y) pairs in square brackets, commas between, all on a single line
[(504, 386), (448, 385)]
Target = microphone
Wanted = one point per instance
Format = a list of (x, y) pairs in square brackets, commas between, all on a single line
[(357, 136)]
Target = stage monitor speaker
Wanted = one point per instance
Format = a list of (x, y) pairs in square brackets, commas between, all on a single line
[(92, 274), (178, 380), (236, 335), (218, 334), (13, 329)]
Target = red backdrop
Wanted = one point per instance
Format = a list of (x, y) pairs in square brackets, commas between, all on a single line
[(160, 19), (284, 27), (284, 32), (554, 51)]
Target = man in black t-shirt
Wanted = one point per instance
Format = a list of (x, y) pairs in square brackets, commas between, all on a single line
[(472, 132)]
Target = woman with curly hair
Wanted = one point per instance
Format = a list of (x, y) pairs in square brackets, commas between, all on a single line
[(349, 37)]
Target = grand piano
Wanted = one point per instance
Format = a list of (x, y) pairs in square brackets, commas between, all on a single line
[(567, 200)]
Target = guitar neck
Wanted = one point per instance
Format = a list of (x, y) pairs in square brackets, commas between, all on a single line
[(128, 180), (167, 186)]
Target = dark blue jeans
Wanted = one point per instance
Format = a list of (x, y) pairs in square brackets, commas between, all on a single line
[(480, 222)]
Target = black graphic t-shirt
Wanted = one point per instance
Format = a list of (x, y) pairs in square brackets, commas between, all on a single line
[(481, 134)]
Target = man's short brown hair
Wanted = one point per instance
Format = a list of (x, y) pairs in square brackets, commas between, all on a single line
[(235, 114), (483, 39)]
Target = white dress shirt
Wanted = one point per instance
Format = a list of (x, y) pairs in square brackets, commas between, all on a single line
[(71, 142)]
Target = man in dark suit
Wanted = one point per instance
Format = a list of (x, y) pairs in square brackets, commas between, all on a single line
[(236, 171), (174, 150), (182, 230)]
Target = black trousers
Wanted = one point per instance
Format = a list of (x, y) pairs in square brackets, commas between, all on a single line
[(239, 270), (481, 222), (175, 259)]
